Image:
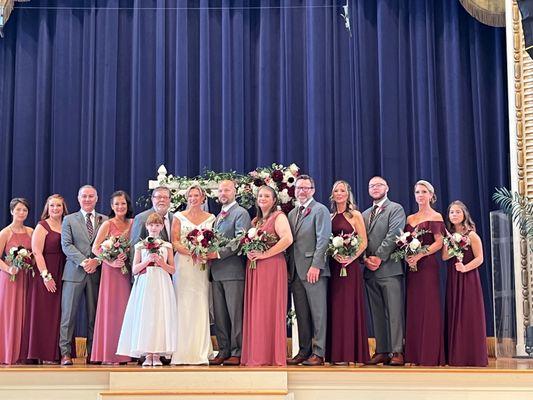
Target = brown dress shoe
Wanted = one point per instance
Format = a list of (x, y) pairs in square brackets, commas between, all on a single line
[(297, 359), (379, 358), (233, 360), (217, 360), (313, 361), (66, 360), (396, 360)]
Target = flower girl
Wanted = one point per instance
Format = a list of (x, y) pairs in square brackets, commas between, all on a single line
[(149, 321)]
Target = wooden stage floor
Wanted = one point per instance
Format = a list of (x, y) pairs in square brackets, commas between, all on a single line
[(503, 379)]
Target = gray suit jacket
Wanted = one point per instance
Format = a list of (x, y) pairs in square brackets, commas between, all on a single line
[(77, 246), (138, 229), (230, 266), (310, 240), (382, 238)]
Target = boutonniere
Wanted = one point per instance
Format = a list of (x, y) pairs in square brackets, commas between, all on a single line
[(222, 216), (98, 219), (307, 211)]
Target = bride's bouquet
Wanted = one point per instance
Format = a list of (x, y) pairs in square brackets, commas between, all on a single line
[(343, 244), (112, 247), (20, 258), (409, 245), (200, 242), (256, 240), (457, 244)]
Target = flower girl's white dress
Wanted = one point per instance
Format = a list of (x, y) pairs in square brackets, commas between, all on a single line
[(150, 319)]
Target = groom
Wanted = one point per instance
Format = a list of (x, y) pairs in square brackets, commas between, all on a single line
[(228, 272), (308, 272), (82, 273)]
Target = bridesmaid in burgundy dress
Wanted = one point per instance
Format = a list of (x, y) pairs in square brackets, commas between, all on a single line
[(45, 307), (264, 339), (424, 339), (347, 339), (466, 340), (115, 286), (13, 294)]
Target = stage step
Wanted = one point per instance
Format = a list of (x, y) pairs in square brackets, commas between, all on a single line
[(195, 394), (198, 383)]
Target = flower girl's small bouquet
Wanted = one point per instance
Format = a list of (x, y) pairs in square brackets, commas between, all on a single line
[(112, 247), (409, 245), (343, 244), (256, 240), (457, 244), (200, 242), (153, 245), (20, 258)]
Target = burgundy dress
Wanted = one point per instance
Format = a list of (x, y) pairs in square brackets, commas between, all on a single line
[(13, 305), (466, 340), (45, 307), (264, 339), (424, 329), (113, 298), (347, 338)]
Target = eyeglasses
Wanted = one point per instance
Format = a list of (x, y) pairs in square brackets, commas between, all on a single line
[(304, 188), (375, 185), (160, 197)]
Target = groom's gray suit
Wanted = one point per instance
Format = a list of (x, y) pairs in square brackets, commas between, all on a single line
[(385, 285), (228, 273), (77, 246), (310, 241)]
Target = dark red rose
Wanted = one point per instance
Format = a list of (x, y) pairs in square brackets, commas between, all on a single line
[(205, 242), (208, 234), (286, 207), (258, 182), (281, 186), (290, 191), (277, 175), (191, 236)]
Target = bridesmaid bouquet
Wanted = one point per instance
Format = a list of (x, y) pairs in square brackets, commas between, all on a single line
[(457, 244), (255, 240), (409, 245), (112, 247), (200, 242), (20, 258), (343, 244)]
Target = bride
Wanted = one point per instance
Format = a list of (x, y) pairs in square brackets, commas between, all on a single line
[(191, 284)]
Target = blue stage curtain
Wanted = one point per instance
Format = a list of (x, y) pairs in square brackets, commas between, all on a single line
[(105, 92)]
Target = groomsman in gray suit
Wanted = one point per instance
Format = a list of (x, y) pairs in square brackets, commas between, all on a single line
[(160, 205), (228, 272), (310, 224), (82, 272), (383, 276)]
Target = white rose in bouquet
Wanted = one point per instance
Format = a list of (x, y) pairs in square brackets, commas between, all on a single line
[(252, 232), (457, 237), (403, 236), (415, 244), (107, 244), (337, 241), (12, 250)]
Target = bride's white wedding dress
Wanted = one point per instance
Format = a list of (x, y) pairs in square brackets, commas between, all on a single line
[(191, 286)]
